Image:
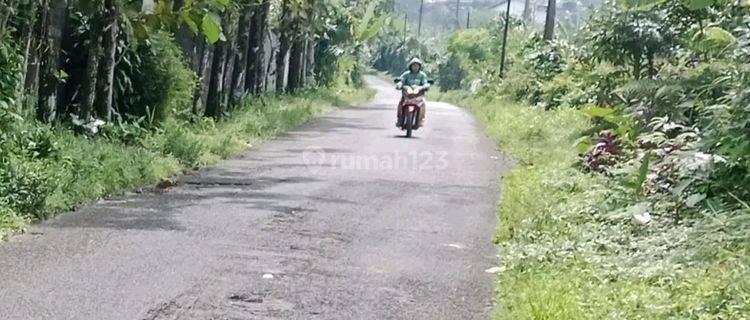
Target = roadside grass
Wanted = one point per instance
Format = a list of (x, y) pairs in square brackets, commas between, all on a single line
[(569, 243), (73, 169)]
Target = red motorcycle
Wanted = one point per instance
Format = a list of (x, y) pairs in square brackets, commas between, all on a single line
[(411, 108)]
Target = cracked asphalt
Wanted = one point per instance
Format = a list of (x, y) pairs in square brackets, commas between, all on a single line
[(338, 219)]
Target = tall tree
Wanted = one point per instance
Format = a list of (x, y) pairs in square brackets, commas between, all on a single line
[(296, 58), (257, 71), (53, 15), (527, 10), (549, 24), (231, 30), (242, 55), (285, 42), (214, 107), (204, 63), (310, 63), (88, 89), (105, 85)]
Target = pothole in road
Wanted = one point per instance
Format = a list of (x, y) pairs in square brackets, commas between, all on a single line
[(247, 298)]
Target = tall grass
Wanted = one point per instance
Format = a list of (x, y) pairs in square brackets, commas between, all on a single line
[(76, 168), (571, 248)]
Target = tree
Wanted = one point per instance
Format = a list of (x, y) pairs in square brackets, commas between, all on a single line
[(527, 10), (82, 57), (243, 54), (631, 37), (256, 70), (549, 23), (94, 53), (285, 37), (53, 16), (105, 86)]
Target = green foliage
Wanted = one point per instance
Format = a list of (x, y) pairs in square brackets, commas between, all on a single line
[(545, 59), (339, 60), (472, 43), (659, 229), (451, 73), (184, 146), (22, 187), (144, 18), (633, 38), (153, 133), (10, 63), (156, 82), (572, 243), (728, 132)]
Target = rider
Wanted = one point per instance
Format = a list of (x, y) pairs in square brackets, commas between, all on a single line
[(414, 77)]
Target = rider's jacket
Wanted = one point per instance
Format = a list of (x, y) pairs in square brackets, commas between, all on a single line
[(409, 78)]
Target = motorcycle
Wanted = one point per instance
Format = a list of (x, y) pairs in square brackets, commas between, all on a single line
[(412, 107)]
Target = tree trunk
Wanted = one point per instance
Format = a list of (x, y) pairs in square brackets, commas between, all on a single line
[(281, 64), (52, 26), (256, 70), (242, 56), (295, 65), (527, 11), (88, 90), (204, 75), (229, 62), (214, 107), (269, 64), (308, 51), (284, 46), (310, 65), (231, 27), (107, 75), (187, 40), (303, 73), (549, 25), (28, 36)]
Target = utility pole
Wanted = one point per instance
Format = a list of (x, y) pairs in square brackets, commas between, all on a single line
[(421, 10), (468, 18), (458, 17), (406, 23), (505, 40)]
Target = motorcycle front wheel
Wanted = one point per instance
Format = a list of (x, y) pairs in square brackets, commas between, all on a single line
[(409, 123)]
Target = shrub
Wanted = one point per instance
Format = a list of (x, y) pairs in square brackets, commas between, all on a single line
[(472, 42), (183, 145), (23, 188), (156, 82), (451, 74), (634, 38)]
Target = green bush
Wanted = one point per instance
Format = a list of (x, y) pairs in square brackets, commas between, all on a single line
[(157, 82), (183, 145), (23, 187), (451, 74), (472, 42), (661, 231)]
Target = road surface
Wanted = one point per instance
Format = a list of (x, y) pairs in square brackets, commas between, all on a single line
[(339, 219)]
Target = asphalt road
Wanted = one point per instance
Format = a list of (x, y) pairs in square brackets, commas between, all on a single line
[(339, 219)]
